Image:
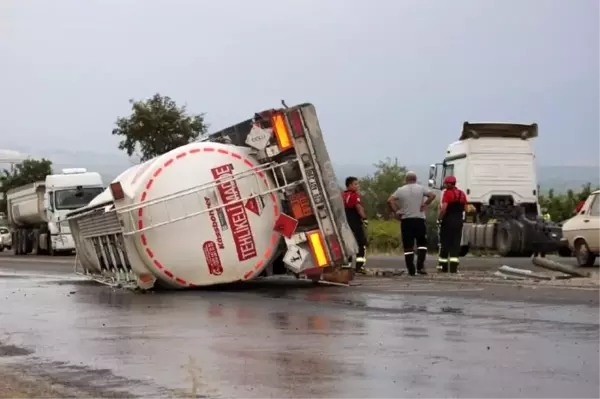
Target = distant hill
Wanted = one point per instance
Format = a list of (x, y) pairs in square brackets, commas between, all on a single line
[(561, 178)]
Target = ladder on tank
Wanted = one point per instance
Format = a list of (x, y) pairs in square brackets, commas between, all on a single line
[(269, 169)]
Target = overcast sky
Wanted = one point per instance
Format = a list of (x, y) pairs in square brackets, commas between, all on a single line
[(388, 78)]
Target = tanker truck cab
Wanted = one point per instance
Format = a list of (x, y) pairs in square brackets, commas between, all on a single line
[(259, 198), (494, 164), (73, 188)]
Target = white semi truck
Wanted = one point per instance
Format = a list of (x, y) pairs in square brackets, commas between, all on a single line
[(259, 198), (36, 210), (494, 163)]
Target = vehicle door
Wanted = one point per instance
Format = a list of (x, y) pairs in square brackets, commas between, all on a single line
[(590, 224)]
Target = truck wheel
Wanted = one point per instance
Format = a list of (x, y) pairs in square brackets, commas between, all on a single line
[(1, 249), (504, 239), (35, 244), (51, 250), (28, 241), (464, 250), (19, 245), (584, 257)]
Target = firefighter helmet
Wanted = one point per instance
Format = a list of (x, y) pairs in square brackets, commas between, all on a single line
[(449, 180)]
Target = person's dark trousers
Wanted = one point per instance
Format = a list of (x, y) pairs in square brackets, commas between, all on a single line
[(361, 239), (414, 230), (450, 237)]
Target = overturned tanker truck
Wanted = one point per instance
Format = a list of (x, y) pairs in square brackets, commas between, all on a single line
[(259, 198)]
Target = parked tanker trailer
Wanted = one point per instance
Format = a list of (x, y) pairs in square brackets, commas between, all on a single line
[(259, 198), (36, 210), (494, 163)]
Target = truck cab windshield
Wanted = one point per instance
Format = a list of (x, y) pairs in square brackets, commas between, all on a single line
[(75, 198)]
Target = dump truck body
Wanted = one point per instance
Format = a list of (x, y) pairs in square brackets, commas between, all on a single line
[(36, 211)]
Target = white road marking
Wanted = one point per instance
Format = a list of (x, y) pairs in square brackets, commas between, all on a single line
[(438, 289), (37, 260), (45, 276)]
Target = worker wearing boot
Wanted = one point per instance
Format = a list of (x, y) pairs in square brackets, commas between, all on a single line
[(355, 214), (409, 206), (451, 217)]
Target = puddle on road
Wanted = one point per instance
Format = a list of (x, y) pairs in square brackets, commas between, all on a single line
[(11, 350)]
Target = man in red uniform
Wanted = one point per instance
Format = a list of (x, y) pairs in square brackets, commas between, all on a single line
[(451, 217), (357, 220)]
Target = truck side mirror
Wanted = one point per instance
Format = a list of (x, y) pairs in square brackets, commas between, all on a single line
[(432, 171), (47, 202)]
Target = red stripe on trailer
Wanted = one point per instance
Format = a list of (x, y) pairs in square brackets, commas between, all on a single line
[(159, 170)]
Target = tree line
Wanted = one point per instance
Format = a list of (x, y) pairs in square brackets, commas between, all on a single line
[(158, 125), (389, 175)]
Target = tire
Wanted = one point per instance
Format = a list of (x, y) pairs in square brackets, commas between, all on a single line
[(584, 257), (35, 244), (28, 238), (464, 250), (1, 249), (565, 252), (51, 250), (19, 250), (15, 243), (504, 239)]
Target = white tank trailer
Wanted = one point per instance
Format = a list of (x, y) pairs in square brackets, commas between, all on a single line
[(256, 199)]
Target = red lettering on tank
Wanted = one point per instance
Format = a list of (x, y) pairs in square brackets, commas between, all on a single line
[(236, 213), (215, 224), (213, 261)]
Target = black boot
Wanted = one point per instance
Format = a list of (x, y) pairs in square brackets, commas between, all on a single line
[(421, 255), (453, 266), (442, 266), (360, 268), (409, 258)]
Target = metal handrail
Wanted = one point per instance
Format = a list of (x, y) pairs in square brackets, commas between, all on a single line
[(261, 168), (267, 167), (212, 208)]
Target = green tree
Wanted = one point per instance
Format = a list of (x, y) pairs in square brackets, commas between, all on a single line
[(561, 206), (28, 171), (375, 191), (157, 125), (377, 188)]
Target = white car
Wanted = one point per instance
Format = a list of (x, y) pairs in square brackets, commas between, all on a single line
[(582, 231), (5, 239)]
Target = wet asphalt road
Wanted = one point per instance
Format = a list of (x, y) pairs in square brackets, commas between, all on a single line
[(399, 339)]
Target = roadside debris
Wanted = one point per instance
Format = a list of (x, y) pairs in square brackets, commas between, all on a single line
[(522, 273), (498, 273), (559, 267)]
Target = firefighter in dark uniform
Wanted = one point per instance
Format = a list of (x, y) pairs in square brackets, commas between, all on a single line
[(452, 209), (357, 220)]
